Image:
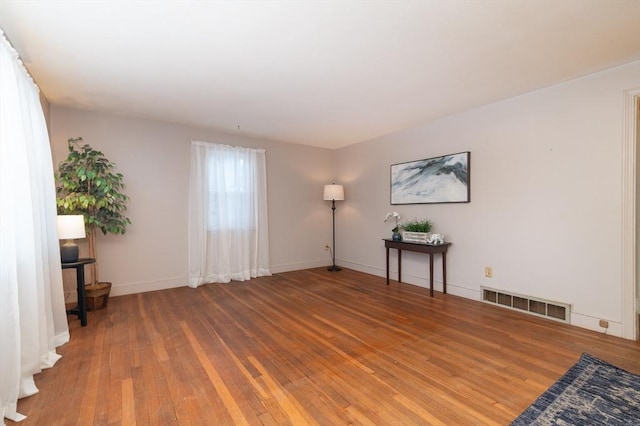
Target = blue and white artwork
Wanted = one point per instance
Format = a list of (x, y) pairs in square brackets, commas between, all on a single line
[(434, 180)]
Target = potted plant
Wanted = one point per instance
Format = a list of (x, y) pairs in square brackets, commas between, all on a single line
[(416, 230), (87, 185)]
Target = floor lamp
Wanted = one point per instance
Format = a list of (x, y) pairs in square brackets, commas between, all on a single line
[(333, 193)]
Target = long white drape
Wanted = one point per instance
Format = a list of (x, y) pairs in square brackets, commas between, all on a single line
[(228, 231), (33, 320)]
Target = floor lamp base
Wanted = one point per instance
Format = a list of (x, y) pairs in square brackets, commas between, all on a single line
[(334, 268)]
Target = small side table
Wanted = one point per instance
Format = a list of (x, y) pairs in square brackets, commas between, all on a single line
[(81, 310)]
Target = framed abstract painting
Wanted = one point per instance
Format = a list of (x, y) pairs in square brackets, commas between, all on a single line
[(442, 179)]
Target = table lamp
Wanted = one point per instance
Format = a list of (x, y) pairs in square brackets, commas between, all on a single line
[(70, 227)]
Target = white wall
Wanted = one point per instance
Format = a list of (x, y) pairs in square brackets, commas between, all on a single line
[(545, 207), (154, 159)]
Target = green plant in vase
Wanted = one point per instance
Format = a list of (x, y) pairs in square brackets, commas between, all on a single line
[(87, 185), (417, 225), (396, 230)]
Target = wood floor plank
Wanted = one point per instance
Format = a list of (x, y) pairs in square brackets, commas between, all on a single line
[(128, 403), (308, 347), (91, 389), (223, 391)]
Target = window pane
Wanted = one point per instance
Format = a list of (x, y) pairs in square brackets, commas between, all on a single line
[(230, 195)]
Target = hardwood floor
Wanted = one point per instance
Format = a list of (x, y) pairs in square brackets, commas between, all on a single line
[(308, 347)]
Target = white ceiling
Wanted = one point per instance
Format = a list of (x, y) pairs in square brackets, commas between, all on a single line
[(322, 73)]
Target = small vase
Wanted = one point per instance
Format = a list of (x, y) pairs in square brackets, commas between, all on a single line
[(396, 236)]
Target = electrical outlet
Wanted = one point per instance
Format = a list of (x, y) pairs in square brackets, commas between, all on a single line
[(488, 271), (604, 323), (326, 247)]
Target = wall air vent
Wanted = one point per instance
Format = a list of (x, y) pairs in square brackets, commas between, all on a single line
[(556, 311)]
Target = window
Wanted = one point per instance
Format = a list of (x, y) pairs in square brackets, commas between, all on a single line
[(228, 238), (230, 192)]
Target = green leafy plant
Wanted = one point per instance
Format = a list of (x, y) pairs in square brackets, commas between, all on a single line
[(417, 225), (87, 185)]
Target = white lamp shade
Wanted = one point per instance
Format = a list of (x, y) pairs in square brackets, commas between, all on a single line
[(70, 227), (333, 192)]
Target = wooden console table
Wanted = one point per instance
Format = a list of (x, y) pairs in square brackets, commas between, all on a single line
[(430, 249)]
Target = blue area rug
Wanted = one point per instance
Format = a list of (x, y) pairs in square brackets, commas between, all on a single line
[(592, 392)]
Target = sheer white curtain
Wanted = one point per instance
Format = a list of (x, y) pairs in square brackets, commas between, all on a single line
[(228, 235), (33, 320)]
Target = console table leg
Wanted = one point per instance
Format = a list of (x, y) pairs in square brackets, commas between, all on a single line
[(444, 272), (399, 265), (387, 265), (431, 274)]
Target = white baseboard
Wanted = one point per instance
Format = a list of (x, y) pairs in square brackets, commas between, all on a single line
[(287, 267), (591, 323), (452, 288), (144, 286), (367, 269)]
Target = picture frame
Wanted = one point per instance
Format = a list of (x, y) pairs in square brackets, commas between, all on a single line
[(443, 179)]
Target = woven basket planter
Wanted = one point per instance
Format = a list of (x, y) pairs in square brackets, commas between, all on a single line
[(97, 296)]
